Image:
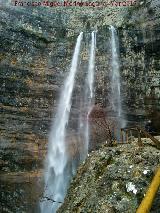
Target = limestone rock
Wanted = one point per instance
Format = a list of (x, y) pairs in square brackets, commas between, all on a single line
[(112, 180)]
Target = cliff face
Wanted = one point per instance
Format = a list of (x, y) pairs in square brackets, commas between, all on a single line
[(140, 43), (32, 52), (36, 49), (113, 179)]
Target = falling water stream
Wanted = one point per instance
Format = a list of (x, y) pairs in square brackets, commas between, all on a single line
[(115, 78), (89, 90), (91, 65), (56, 174)]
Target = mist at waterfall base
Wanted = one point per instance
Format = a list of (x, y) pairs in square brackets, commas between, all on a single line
[(116, 97), (56, 174)]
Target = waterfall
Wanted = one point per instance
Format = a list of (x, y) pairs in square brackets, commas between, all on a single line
[(91, 65), (89, 90), (115, 78), (56, 175)]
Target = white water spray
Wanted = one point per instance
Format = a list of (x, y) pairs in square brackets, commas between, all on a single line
[(115, 77), (91, 65), (57, 176), (89, 87)]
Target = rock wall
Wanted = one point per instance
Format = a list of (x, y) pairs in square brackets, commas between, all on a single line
[(34, 56), (113, 179), (140, 41)]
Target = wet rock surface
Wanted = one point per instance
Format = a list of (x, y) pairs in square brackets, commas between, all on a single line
[(140, 41), (30, 85), (113, 179), (20, 191)]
